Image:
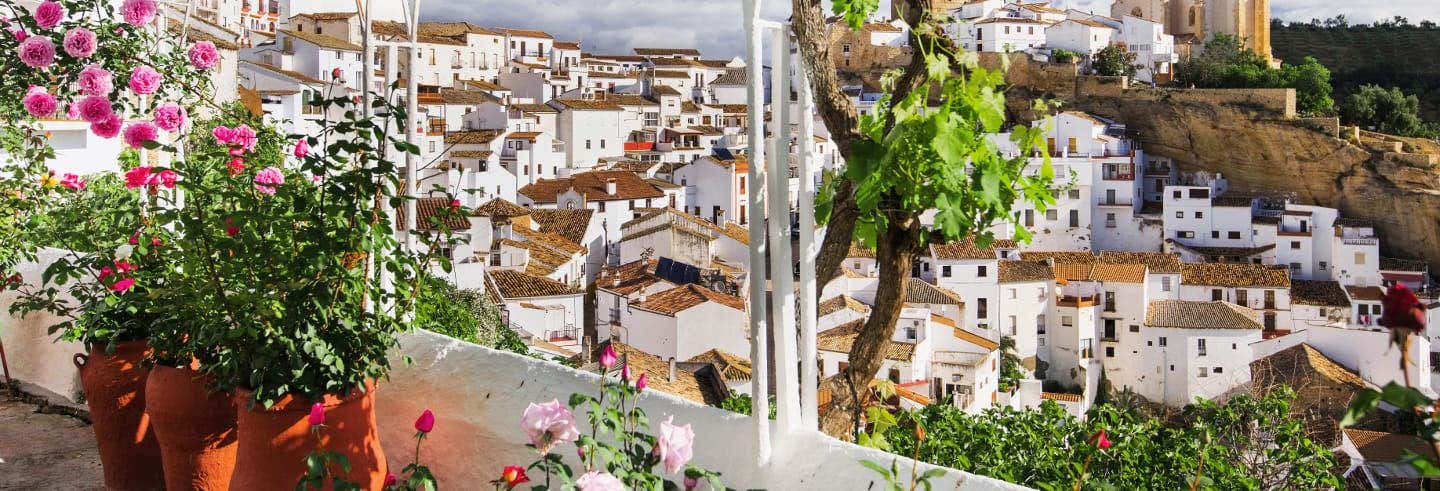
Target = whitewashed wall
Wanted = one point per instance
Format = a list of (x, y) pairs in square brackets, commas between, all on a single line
[(478, 395)]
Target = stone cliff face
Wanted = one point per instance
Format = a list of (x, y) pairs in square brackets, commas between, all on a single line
[(1260, 153)]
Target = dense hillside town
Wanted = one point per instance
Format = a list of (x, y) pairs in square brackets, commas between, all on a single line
[(606, 194)]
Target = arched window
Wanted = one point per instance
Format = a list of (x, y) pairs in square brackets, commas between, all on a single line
[(1192, 16), (1136, 12)]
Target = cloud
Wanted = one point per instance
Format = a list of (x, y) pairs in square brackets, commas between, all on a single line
[(714, 26)]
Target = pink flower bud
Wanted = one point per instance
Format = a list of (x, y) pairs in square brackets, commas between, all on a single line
[(641, 382), (625, 372), (608, 356), (390, 480), (426, 422), (302, 148), (317, 414)]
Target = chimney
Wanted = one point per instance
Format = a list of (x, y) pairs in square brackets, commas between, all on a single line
[(672, 370), (610, 186)]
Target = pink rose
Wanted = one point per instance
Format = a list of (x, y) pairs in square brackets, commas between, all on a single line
[(145, 80), (675, 445), (96, 108), (599, 481), (95, 80), (244, 137), (169, 117), (122, 285), (137, 177), (49, 14), (236, 166), (302, 148), (548, 424), (72, 181), (426, 422), (39, 103), (108, 127), (642, 382), (317, 414), (222, 134), (138, 12), (138, 133), (79, 42), (203, 55), (608, 356), (267, 179), (37, 52), (230, 228), (19, 33), (166, 178)]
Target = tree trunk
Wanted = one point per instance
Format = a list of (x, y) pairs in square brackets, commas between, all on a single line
[(894, 255)]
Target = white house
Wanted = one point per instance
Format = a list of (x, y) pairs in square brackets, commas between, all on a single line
[(685, 321), (716, 189), (1193, 349), (541, 307)]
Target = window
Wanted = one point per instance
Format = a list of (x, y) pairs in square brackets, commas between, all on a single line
[(1214, 234), (1052, 215), (982, 310), (1200, 346), (1014, 294), (1294, 244), (1010, 328), (1109, 351), (1269, 321), (1074, 194), (1359, 258), (910, 333), (1165, 283), (1067, 321), (845, 48), (602, 143), (1322, 265), (1176, 195), (1217, 295), (601, 206), (1040, 323), (1233, 235), (587, 144), (1029, 218), (1219, 370), (1007, 29), (1041, 342), (945, 271), (1074, 218), (1110, 301), (1185, 234), (1199, 215), (1162, 341), (981, 272), (1204, 372), (1134, 327), (1199, 193), (1179, 214)]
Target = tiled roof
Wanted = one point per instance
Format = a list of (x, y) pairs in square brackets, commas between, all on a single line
[(688, 383), (976, 339), (523, 135), (1060, 396), (567, 45), (841, 302), (452, 29), (667, 51), (665, 90), (471, 137), (323, 40), (670, 74), (690, 107), (528, 33), (1158, 262), (1380, 447), (708, 130), (631, 100), (1366, 293), (570, 224), (297, 76), (859, 250), (1320, 293), (1234, 275), (425, 211), (1224, 251), (681, 298), (739, 233), (667, 226), (543, 261), (628, 278), (534, 108), (840, 338), (465, 97), (1119, 273), (944, 321), (500, 208), (175, 26), (551, 240), (389, 29), (1009, 20), (736, 368), (587, 104), (1074, 271), (1397, 264), (1060, 257), (1025, 271), (736, 77), (326, 16), (515, 284), (592, 186), (968, 249), (471, 154), (918, 291), (1265, 220), (485, 85), (733, 108), (1189, 314)]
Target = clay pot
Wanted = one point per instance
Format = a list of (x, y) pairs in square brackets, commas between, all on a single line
[(274, 442), (115, 392), (195, 428)]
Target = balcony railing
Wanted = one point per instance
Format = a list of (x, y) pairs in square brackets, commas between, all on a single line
[(1360, 240), (1116, 202), (568, 333), (1077, 301)]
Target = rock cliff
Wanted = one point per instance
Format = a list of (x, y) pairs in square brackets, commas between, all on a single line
[(1260, 152)]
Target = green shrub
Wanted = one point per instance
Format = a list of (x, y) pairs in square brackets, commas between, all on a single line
[(466, 315)]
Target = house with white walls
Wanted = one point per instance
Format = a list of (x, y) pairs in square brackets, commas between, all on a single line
[(1193, 349), (1154, 49), (526, 45), (539, 306), (591, 129), (1263, 289), (715, 189), (685, 321), (669, 232), (613, 195), (1083, 36), (618, 286), (316, 56), (1316, 303)]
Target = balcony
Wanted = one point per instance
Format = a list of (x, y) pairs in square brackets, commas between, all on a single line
[(1362, 241), (1116, 202), (1077, 301)]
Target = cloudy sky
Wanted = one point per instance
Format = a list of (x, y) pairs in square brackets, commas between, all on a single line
[(610, 26)]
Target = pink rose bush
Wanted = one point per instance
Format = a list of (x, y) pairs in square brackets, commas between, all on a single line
[(169, 117), (39, 103), (138, 133), (138, 12), (95, 81), (96, 108), (203, 55), (615, 453), (37, 51), (268, 179), (108, 127), (79, 42)]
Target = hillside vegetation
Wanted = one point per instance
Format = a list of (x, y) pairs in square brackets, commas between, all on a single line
[(1388, 55)]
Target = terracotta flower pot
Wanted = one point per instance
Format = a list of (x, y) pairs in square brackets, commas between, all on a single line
[(274, 442), (195, 428), (115, 392)]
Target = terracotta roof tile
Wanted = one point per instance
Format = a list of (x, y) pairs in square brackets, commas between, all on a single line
[(515, 284), (688, 383), (426, 210), (1397, 264), (529, 33), (1060, 257), (323, 40), (969, 249), (976, 339), (1234, 275), (1119, 273), (1060, 396), (919, 292), (665, 89), (471, 154), (500, 208), (570, 224), (840, 338), (1380, 447), (1366, 293), (534, 108), (1025, 271), (736, 368), (859, 250), (738, 233), (1321, 293), (628, 278), (471, 137), (667, 51), (567, 45), (587, 104), (681, 298), (1189, 314), (1158, 262), (841, 302), (592, 186)]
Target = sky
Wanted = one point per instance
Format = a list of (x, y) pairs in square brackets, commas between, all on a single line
[(714, 26)]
